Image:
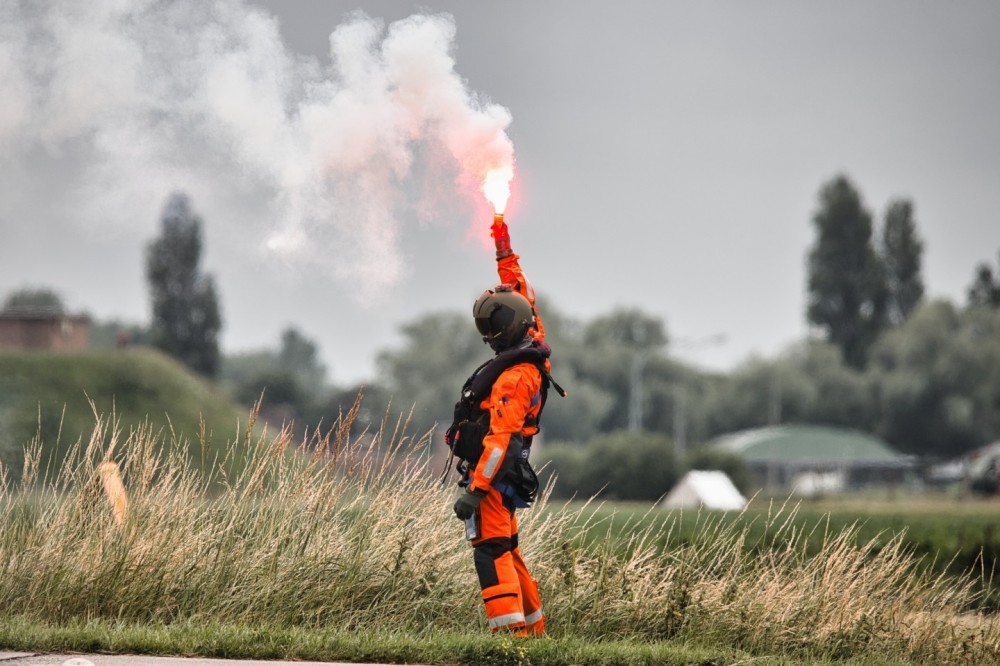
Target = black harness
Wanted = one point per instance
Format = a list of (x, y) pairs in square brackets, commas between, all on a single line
[(471, 422)]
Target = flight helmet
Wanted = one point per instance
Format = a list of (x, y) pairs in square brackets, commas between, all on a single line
[(503, 316)]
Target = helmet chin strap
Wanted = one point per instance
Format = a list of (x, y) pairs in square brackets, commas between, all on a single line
[(494, 343), (523, 342)]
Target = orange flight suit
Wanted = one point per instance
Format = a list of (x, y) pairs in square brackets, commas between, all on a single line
[(509, 592)]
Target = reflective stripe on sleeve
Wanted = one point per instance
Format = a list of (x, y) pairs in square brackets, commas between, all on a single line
[(508, 620), (490, 468)]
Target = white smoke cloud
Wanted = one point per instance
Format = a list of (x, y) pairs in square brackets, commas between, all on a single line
[(150, 96), (13, 83)]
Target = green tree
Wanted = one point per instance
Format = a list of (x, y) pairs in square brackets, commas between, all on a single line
[(34, 301), (300, 356), (628, 328), (439, 352), (375, 407), (279, 390), (676, 398), (186, 316), (241, 371), (937, 380), (292, 381), (578, 417), (744, 398), (840, 395), (985, 288), (902, 251), (619, 347), (808, 383), (846, 283)]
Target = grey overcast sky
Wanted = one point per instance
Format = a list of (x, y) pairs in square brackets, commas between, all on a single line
[(669, 156)]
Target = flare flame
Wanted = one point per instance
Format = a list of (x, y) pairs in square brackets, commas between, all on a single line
[(496, 187)]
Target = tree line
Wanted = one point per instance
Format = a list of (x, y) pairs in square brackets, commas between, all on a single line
[(925, 376)]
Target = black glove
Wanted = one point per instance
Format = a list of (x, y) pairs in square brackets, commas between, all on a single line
[(467, 503)]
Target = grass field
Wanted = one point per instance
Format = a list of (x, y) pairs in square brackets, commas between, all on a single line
[(351, 552), (947, 534)]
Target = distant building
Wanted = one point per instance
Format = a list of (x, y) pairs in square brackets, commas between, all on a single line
[(815, 459), (44, 331)]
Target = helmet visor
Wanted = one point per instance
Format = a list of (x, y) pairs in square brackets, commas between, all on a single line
[(483, 326), (494, 318)]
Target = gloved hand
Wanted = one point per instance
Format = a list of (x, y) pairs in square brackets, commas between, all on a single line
[(501, 237), (467, 503)]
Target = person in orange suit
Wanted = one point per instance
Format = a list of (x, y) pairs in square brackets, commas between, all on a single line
[(502, 403)]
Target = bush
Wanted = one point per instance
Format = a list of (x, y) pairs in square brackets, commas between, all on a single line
[(622, 465)]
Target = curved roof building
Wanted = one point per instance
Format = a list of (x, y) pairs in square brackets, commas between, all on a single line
[(779, 454)]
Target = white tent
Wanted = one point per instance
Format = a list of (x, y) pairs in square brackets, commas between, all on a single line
[(711, 490)]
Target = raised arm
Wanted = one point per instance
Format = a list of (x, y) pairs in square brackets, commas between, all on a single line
[(509, 269)]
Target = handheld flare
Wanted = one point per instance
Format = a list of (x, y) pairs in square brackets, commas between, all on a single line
[(501, 236)]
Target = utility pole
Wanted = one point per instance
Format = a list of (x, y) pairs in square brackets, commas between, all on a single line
[(635, 390), (635, 393), (640, 339), (680, 420), (680, 392), (774, 400)]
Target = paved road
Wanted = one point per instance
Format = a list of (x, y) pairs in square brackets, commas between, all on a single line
[(34, 659)]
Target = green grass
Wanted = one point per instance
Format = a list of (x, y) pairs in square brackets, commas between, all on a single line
[(351, 552), (213, 640)]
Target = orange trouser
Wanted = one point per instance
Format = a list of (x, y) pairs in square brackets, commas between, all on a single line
[(509, 591)]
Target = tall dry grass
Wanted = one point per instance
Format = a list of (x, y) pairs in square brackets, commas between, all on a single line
[(358, 533)]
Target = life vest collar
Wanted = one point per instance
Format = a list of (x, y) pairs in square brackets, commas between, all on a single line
[(482, 380)]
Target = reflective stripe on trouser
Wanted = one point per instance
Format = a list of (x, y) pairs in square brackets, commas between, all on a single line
[(509, 592), (530, 599)]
